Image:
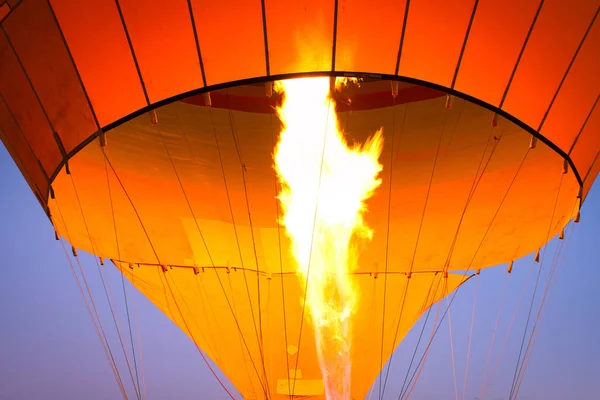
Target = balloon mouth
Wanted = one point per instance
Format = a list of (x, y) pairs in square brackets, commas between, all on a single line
[(151, 149), (255, 96), (372, 93)]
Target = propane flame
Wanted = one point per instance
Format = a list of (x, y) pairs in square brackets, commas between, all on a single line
[(325, 183)]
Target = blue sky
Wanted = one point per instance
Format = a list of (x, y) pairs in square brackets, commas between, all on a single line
[(49, 349)]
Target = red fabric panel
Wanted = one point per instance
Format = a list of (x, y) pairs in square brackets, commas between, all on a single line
[(232, 53), (97, 41), (36, 38), (4, 10), (21, 100), (163, 42), (21, 152), (435, 33), (553, 42)]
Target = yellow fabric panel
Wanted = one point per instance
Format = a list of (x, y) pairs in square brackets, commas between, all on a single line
[(498, 224), (215, 308)]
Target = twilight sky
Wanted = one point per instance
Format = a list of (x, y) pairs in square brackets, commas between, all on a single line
[(49, 349)]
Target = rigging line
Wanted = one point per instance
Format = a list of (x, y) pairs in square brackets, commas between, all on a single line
[(400, 311), (264, 385), (185, 304), (476, 180), (425, 302), (499, 206), (243, 344), (452, 352), (536, 286), (312, 239), (387, 240), (274, 274), (259, 327), (158, 261), (366, 379), (139, 336), (91, 300), (473, 189), (87, 306), (438, 326), (434, 330), (470, 337), (419, 233), (205, 244), (488, 229), (194, 321), (203, 240), (166, 276), (285, 332), (564, 249), (525, 332), (534, 331), (243, 169), (489, 356), (106, 293), (209, 311), (508, 329), (122, 279), (435, 160), (542, 307)]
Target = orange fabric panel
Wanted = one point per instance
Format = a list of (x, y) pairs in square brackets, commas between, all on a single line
[(576, 97), (20, 151), (435, 33), (493, 47), (39, 45), (21, 101), (163, 42), (300, 35), (97, 41), (232, 43), (553, 42), (368, 37), (588, 145)]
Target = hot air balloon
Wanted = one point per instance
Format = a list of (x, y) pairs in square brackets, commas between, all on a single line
[(150, 133)]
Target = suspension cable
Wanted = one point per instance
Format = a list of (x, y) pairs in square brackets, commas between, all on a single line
[(470, 337), (158, 261), (106, 293)]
